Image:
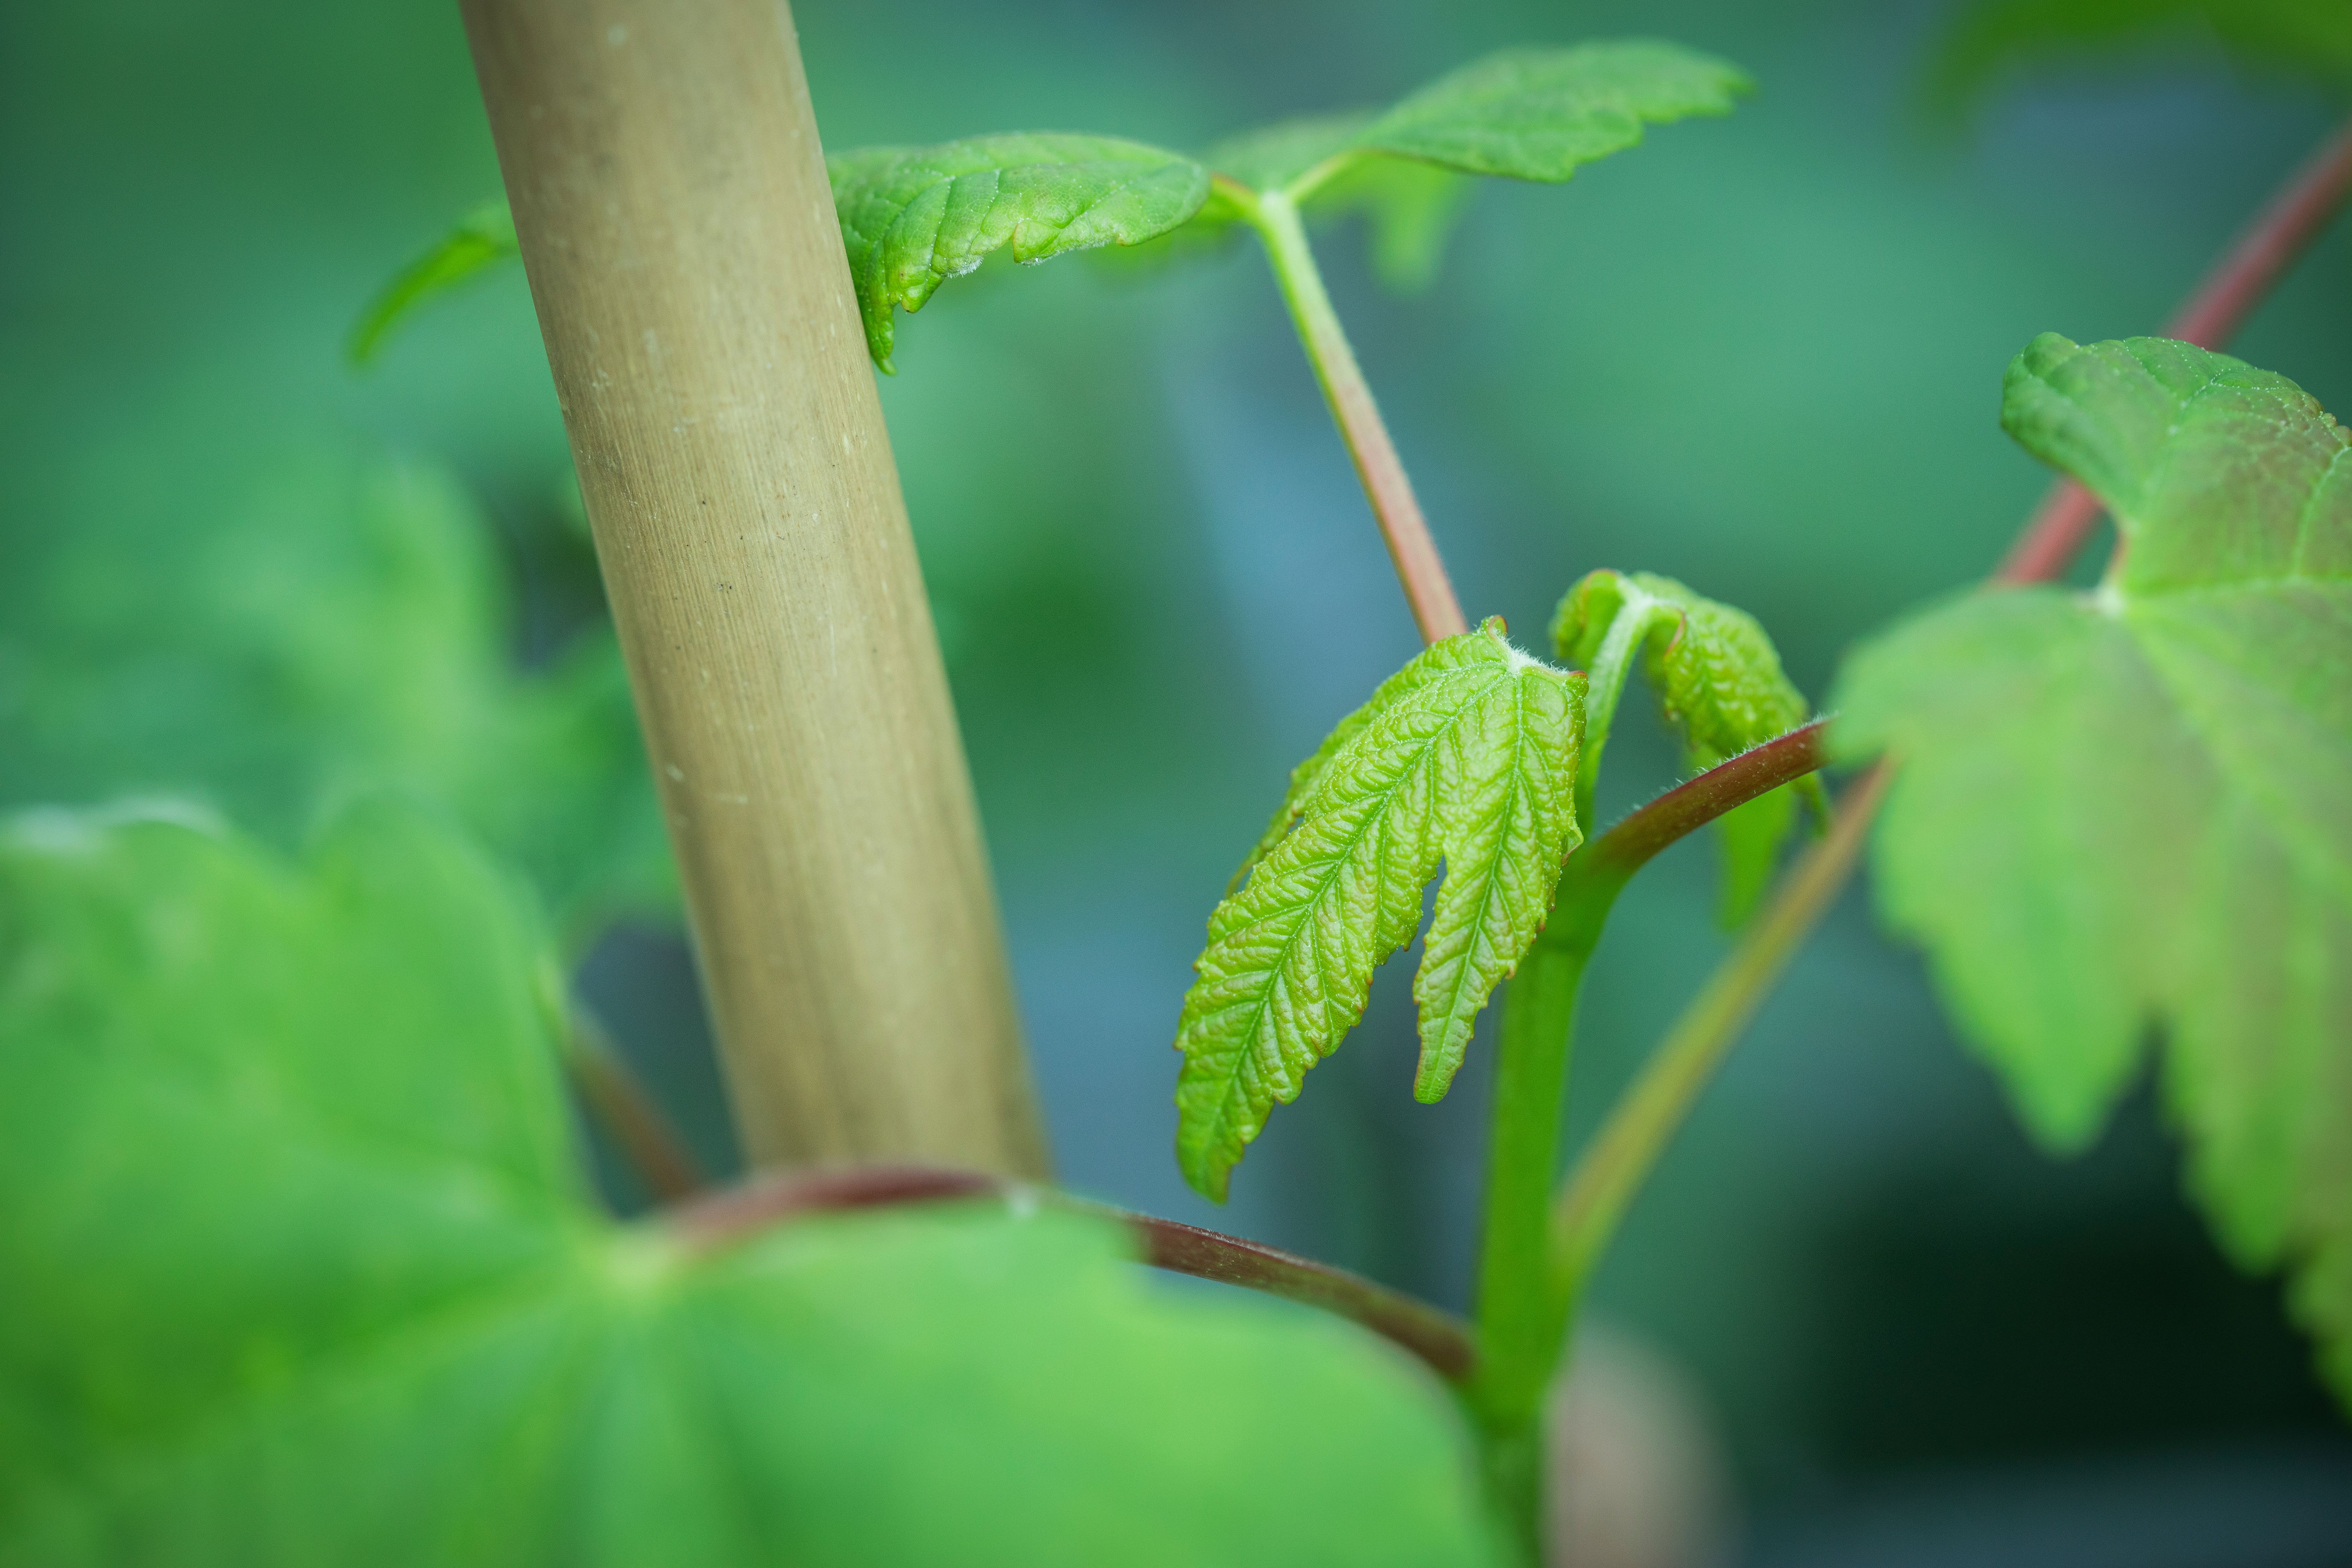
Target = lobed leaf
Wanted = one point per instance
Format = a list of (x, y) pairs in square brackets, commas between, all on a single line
[(2129, 807), (1719, 685), (914, 217), (298, 1269), (1468, 755)]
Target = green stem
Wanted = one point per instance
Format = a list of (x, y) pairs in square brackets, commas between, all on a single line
[(1519, 1329), (1524, 1319), (1275, 216)]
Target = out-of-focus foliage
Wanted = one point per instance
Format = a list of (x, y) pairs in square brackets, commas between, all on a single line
[(1719, 685), (1467, 754), (300, 1270), (2134, 807), (271, 631), (1991, 38)]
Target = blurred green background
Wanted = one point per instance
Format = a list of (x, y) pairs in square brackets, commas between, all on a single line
[(1762, 354)]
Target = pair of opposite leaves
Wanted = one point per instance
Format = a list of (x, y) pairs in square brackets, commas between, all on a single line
[(913, 217)]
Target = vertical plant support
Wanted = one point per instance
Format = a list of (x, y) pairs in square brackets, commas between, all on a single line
[(671, 201)]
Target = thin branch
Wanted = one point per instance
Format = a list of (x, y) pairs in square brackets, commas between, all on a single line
[(2279, 234), (623, 1107), (1586, 1214), (1413, 553), (1691, 806), (1436, 1338)]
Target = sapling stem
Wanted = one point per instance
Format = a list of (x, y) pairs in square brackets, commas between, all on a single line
[(1275, 216), (1522, 1316), (1519, 1323)]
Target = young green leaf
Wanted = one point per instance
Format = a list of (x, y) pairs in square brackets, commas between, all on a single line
[(299, 1270), (1718, 682), (2129, 807), (913, 217), (1525, 114), (482, 240), (1543, 113), (1468, 753)]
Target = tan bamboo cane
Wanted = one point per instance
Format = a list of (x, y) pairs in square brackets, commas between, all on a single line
[(670, 198)]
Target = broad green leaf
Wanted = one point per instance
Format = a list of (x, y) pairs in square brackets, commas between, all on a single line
[(2312, 37), (2133, 807), (482, 240), (1466, 754), (1543, 113), (1525, 113), (300, 1270), (913, 217), (271, 631), (1719, 685)]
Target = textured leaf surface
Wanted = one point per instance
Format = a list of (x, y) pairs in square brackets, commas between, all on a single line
[(1468, 755), (1527, 113), (2135, 807), (1543, 113), (2308, 37), (914, 217), (1719, 685), (483, 240), (299, 1271), (271, 631)]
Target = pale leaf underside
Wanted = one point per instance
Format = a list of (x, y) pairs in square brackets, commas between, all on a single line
[(1467, 755), (2135, 807)]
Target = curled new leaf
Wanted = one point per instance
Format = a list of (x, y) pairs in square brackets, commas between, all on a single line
[(1718, 682), (1467, 754), (2130, 807), (913, 217)]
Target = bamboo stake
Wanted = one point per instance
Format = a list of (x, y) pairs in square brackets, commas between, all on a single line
[(676, 225)]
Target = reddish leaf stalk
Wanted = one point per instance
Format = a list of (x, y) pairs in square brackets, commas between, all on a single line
[(621, 1104), (1436, 1337), (1689, 806), (1413, 553)]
